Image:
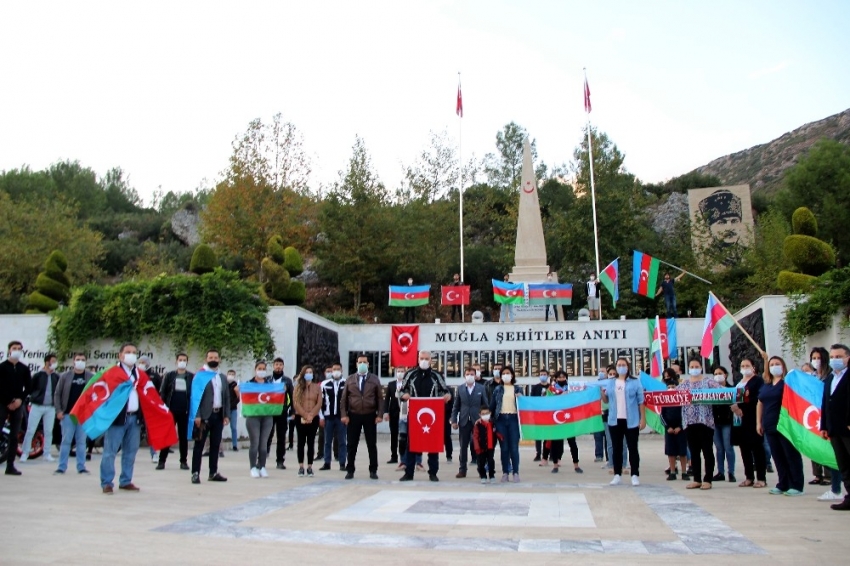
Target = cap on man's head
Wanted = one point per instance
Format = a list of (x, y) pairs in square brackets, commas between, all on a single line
[(719, 205)]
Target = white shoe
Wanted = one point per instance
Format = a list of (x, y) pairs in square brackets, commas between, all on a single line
[(25, 456), (635, 480), (616, 480), (155, 459), (263, 473), (830, 496), (255, 473), (50, 458)]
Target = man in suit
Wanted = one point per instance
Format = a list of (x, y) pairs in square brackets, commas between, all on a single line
[(469, 399), (359, 406), (835, 415), (214, 413), (392, 409)]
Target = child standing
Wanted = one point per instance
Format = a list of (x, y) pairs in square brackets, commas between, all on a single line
[(675, 440), (484, 444)]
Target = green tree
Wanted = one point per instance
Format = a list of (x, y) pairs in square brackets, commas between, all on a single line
[(203, 260), (52, 287), (764, 257), (504, 168)]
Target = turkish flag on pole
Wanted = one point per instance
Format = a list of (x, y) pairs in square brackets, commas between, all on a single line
[(586, 97), (404, 350), (459, 106), (425, 422), (455, 294)]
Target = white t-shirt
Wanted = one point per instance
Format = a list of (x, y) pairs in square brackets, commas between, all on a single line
[(591, 288), (620, 395)]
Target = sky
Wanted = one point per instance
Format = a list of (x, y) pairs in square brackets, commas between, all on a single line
[(161, 89)]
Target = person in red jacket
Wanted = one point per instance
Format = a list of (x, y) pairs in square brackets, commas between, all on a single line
[(484, 444)]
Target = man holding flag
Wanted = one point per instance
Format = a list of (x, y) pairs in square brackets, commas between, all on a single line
[(208, 414)]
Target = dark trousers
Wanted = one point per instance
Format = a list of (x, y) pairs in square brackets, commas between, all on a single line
[(789, 463), (538, 447), (394, 436), (306, 435), (486, 458), (841, 447), (370, 431), (182, 422), (14, 428), (619, 432), (556, 450), (433, 463), (599, 445), (447, 438), (278, 427), (465, 434), (554, 309), (752, 453), (213, 429), (456, 312), (701, 443), (409, 315)]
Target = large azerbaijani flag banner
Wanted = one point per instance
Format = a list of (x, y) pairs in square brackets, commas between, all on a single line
[(718, 321), (262, 399), (409, 295), (508, 293), (550, 294), (799, 418), (645, 270), (610, 279), (653, 412), (555, 417), (669, 343)]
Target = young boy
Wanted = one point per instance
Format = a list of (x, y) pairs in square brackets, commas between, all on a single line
[(484, 443), (675, 440)]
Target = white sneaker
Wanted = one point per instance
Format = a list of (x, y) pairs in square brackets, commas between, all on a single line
[(635, 480), (255, 473), (263, 473), (24, 456), (155, 459), (616, 480), (830, 496), (50, 458)]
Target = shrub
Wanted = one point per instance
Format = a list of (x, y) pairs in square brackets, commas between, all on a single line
[(811, 257), (295, 294), (293, 263), (51, 286), (803, 222), (275, 249), (203, 260), (792, 282), (40, 303)]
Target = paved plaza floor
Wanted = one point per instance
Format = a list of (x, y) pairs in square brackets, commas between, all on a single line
[(546, 519)]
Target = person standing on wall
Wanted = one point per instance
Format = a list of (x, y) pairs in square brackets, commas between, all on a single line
[(359, 406), (456, 309), (592, 289), (667, 287)]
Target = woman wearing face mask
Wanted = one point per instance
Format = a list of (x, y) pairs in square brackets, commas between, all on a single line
[(259, 429), (750, 444), (541, 452), (503, 407), (626, 418), (819, 367), (560, 387), (307, 401), (610, 374), (789, 463), (698, 422), (723, 430)]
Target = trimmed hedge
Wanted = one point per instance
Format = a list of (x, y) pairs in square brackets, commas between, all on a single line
[(41, 303), (791, 282), (803, 222), (810, 255), (203, 260), (296, 294), (293, 263), (275, 249)]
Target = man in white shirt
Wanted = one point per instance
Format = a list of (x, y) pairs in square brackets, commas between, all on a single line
[(592, 288), (212, 416), (835, 415), (124, 432)]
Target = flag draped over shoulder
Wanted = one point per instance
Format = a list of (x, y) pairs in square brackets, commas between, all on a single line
[(610, 279), (508, 293), (645, 270), (262, 399), (718, 321), (409, 296), (555, 417), (199, 383), (799, 418), (550, 294), (653, 412)]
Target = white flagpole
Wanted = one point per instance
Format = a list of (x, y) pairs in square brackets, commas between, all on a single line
[(460, 160), (592, 190)]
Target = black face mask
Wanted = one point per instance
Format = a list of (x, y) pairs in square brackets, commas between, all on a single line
[(212, 365), (277, 373), (562, 383)]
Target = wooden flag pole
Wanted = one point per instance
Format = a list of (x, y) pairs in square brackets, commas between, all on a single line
[(685, 272), (741, 328)]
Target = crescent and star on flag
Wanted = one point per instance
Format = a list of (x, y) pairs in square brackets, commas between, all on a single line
[(426, 411)]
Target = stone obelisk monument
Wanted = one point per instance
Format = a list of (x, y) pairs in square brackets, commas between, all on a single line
[(530, 257)]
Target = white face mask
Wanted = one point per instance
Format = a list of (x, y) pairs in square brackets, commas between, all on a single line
[(130, 360), (486, 417), (776, 370), (694, 371), (720, 378), (329, 375), (507, 378), (746, 372), (424, 364), (143, 366), (399, 376), (497, 374), (53, 366), (80, 365), (478, 373), (181, 364), (16, 354), (816, 364), (261, 373), (337, 374), (470, 379)]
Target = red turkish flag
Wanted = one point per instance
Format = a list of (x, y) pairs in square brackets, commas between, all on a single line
[(425, 422), (404, 350), (455, 294)]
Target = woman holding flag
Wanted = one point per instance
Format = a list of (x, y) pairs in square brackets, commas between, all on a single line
[(259, 426), (503, 405), (698, 422), (556, 450)]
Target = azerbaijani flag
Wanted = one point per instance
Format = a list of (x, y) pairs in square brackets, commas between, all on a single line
[(656, 365), (653, 412), (262, 399), (103, 397), (799, 418), (199, 383), (409, 296), (508, 293), (645, 270), (550, 294), (610, 279), (718, 321), (669, 344), (555, 417)]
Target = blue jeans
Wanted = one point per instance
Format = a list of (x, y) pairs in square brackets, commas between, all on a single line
[(610, 445), (507, 311), (334, 426), (836, 481), (724, 449), (72, 433), (599, 445), (670, 305), (234, 430), (767, 454), (125, 437), (507, 426)]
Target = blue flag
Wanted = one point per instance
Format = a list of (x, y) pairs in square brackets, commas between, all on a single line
[(199, 383)]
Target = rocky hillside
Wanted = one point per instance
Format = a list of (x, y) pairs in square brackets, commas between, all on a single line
[(762, 166)]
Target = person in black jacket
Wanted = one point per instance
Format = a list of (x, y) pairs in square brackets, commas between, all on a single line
[(675, 439), (41, 408), (175, 391), (751, 443), (835, 415), (392, 409), (281, 422), (723, 430), (539, 390), (15, 381)]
